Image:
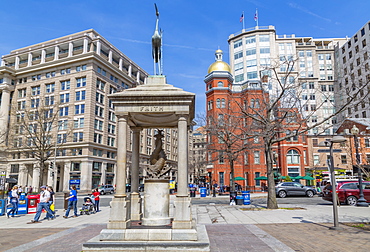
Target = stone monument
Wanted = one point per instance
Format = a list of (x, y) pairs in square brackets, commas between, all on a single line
[(155, 104)]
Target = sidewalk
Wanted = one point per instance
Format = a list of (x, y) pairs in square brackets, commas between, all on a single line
[(230, 228)]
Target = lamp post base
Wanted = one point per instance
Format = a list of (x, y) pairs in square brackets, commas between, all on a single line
[(362, 203), (335, 228)]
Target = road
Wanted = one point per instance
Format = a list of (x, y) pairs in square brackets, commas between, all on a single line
[(105, 199)]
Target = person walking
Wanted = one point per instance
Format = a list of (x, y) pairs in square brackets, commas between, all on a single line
[(13, 199), (44, 204), (72, 202), (96, 194), (51, 202)]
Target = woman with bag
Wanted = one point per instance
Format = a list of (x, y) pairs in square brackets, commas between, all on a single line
[(13, 199), (96, 199), (51, 202)]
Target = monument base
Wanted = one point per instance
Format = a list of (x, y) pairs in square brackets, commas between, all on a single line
[(150, 240)]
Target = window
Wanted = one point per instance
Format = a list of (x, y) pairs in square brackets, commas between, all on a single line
[(252, 75), (63, 111), (323, 88), (264, 38), (97, 152), (65, 71), (264, 50), (251, 63), (239, 77), (218, 103), (311, 85), (220, 84), (367, 142), (223, 103), (238, 43), (221, 158), (250, 39), (315, 142), (81, 82), (80, 68), (111, 129), (293, 157), (49, 100), (362, 31), (50, 74), (62, 138), (98, 138), (79, 109), (49, 88), (111, 141), (78, 136), (308, 54), (256, 155), (35, 102), (80, 95), (239, 66), (111, 116), (99, 97), (238, 55), (100, 84), (64, 98), (316, 159), (328, 56), (62, 124), (343, 159), (65, 85), (98, 124), (251, 51), (321, 56), (35, 90), (97, 166), (79, 122), (99, 111), (22, 93)]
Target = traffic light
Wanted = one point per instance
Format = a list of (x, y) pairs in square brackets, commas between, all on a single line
[(51, 165)]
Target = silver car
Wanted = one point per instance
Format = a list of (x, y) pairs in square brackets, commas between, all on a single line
[(104, 189), (284, 189)]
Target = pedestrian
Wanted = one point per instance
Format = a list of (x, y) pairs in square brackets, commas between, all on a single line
[(20, 190), (51, 202), (13, 199), (72, 202), (44, 204), (29, 189), (96, 199)]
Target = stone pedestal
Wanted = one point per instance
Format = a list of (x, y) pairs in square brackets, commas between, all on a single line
[(118, 214), (135, 202), (156, 202), (182, 218)]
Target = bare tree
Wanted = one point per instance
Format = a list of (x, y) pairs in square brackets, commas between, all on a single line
[(283, 114), (34, 132)]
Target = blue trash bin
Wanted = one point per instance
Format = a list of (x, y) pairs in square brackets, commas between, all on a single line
[(239, 200), (203, 192), (22, 204), (246, 197), (2, 206)]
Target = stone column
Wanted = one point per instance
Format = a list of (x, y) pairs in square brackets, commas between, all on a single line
[(36, 177), (119, 205), (86, 45), (182, 204), (16, 65), (86, 176), (70, 49), (129, 70), (22, 176), (29, 62), (43, 55), (98, 47), (56, 52), (138, 76), (66, 176), (110, 56), (120, 65), (136, 212), (103, 173), (4, 111), (2, 62)]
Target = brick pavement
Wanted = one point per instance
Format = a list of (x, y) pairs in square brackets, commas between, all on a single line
[(315, 237)]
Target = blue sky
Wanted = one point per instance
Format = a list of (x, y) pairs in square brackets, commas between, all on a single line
[(193, 29)]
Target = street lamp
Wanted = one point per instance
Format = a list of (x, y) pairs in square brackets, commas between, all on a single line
[(335, 139), (361, 202)]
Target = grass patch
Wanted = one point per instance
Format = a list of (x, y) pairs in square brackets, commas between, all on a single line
[(360, 225)]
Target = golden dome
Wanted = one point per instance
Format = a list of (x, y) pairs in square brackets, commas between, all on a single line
[(219, 65)]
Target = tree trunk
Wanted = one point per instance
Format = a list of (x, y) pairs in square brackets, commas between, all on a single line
[(42, 169), (271, 198), (232, 186)]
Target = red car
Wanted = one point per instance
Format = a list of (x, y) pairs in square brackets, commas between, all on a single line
[(348, 192)]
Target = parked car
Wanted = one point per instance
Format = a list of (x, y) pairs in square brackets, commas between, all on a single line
[(284, 189), (349, 192), (103, 189)]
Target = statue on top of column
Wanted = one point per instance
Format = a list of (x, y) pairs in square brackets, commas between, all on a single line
[(157, 45), (158, 158)]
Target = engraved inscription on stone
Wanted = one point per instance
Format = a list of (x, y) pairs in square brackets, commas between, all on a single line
[(151, 109)]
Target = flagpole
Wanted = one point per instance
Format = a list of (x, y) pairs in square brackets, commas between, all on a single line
[(257, 16), (243, 20)]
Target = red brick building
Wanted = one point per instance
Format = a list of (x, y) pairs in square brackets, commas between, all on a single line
[(225, 102)]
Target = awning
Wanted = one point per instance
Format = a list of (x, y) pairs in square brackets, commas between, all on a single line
[(11, 180)]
